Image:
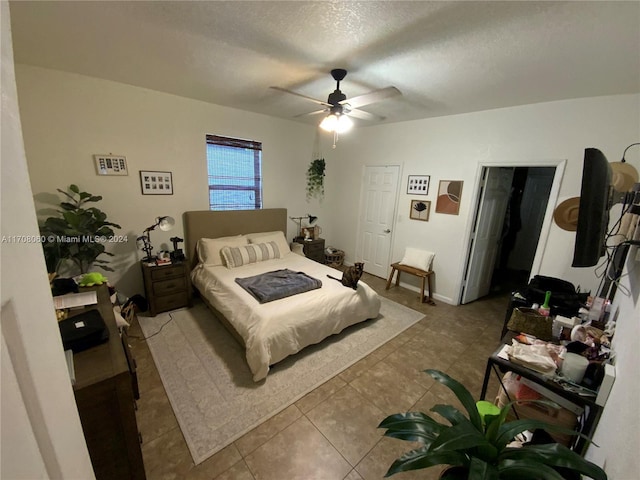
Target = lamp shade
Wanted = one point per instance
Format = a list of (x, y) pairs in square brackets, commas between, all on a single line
[(329, 123), (166, 223), (336, 123)]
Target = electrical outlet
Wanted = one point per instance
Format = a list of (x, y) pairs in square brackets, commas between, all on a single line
[(110, 165)]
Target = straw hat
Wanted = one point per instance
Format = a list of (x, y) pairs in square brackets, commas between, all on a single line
[(623, 176), (566, 214)]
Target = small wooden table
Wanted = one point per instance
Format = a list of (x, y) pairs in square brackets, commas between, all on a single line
[(398, 267)]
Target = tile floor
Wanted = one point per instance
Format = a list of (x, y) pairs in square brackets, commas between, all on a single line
[(331, 432)]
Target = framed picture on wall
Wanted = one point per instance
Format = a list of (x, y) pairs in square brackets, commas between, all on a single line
[(420, 210), (156, 183), (449, 195), (418, 184)]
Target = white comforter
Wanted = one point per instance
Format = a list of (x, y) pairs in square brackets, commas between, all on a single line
[(275, 330)]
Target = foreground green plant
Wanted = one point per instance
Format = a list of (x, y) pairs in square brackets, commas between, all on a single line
[(480, 445), (78, 234)]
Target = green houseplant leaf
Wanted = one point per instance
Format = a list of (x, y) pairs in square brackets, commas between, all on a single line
[(77, 233), (481, 448)]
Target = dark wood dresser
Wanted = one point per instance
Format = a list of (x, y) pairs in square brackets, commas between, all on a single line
[(166, 286), (105, 391), (313, 249)]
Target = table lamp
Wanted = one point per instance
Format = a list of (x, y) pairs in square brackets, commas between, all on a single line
[(311, 221), (165, 224)]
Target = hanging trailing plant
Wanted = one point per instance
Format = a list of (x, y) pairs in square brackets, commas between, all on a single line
[(315, 179)]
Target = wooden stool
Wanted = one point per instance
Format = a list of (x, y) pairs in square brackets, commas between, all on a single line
[(413, 271)]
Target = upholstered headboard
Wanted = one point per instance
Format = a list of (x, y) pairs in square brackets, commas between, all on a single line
[(208, 224)]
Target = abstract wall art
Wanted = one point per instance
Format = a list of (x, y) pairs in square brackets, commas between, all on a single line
[(449, 195)]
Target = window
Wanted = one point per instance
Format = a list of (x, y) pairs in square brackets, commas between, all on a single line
[(234, 169)]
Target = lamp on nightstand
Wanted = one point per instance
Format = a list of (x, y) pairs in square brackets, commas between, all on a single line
[(311, 221), (165, 224)]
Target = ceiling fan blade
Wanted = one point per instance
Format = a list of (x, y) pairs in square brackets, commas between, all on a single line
[(364, 115), (324, 110), (372, 97), (319, 102)]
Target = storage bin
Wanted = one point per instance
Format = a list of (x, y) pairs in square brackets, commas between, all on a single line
[(554, 415), (335, 259)]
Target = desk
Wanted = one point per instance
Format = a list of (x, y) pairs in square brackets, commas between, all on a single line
[(592, 411), (105, 393)]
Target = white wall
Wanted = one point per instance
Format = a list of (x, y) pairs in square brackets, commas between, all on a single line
[(67, 118), (452, 148), (41, 434), (618, 435)]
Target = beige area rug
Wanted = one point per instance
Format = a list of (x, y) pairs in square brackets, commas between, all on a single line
[(210, 386)]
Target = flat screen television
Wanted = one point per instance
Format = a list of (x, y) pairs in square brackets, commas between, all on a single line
[(593, 210)]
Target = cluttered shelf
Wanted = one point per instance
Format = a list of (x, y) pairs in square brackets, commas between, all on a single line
[(567, 394), (556, 347)]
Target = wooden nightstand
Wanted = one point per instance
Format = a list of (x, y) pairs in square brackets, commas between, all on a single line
[(166, 286), (313, 249)]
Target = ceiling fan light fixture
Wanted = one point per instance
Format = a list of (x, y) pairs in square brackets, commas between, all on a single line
[(344, 124), (329, 123), (336, 123)]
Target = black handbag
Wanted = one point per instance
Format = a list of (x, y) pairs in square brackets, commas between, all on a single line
[(565, 299)]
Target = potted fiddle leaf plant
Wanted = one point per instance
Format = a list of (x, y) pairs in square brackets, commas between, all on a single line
[(315, 179), (479, 447), (76, 238)]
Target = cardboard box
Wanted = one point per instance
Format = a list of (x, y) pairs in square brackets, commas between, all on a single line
[(553, 415)]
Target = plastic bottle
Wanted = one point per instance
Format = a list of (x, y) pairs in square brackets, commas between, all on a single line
[(545, 309)]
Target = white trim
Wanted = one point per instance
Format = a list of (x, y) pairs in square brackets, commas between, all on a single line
[(559, 165)]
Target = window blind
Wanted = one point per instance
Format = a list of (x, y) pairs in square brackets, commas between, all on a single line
[(234, 169)]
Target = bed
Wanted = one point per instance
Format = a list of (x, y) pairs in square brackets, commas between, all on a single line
[(273, 330)]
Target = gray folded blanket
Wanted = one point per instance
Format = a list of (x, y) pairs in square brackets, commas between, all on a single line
[(278, 284)]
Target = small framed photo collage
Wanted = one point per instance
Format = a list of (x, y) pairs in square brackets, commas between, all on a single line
[(156, 183), (418, 184)]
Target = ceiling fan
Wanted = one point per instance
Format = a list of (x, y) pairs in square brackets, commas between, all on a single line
[(339, 109)]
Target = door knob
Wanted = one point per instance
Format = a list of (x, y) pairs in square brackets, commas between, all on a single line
[(387, 231)]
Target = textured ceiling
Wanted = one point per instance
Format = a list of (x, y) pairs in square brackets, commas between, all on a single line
[(445, 57)]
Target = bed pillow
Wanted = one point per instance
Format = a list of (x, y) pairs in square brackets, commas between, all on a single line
[(252, 253), (277, 237), (209, 248), (416, 258)]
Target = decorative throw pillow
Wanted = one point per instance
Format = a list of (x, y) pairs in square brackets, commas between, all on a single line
[(209, 248), (278, 237), (417, 258), (252, 253)]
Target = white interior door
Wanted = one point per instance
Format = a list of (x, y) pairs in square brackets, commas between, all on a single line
[(487, 231), (378, 195)]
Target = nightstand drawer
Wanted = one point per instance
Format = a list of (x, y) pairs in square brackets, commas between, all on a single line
[(314, 249), (166, 286), (173, 285), (171, 302), (159, 273)]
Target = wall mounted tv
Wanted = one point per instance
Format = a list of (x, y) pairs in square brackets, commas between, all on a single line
[(593, 210)]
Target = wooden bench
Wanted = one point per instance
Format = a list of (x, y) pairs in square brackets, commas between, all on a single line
[(397, 267)]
